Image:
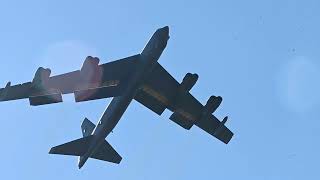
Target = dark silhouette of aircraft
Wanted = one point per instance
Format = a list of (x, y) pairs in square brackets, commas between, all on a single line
[(138, 77)]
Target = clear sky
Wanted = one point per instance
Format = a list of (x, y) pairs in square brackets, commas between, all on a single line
[(262, 57)]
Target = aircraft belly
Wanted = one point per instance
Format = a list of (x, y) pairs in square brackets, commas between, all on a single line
[(112, 115), (118, 105)]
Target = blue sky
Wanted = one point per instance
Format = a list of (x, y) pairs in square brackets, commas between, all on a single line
[(262, 57)]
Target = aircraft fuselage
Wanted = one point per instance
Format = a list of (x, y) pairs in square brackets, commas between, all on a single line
[(113, 113)]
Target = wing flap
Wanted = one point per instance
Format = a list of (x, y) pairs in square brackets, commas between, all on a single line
[(150, 102), (45, 99), (158, 91), (162, 85), (180, 120), (98, 93)]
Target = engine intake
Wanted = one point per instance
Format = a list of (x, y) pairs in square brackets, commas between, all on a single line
[(188, 82)]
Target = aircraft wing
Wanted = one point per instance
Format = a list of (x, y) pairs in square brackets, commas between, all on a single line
[(162, 91), (92, 81)]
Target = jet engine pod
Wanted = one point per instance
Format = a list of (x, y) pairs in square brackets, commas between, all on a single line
[(41, 77), (90, 64), (90, 71), (212, 104), (189, 81)]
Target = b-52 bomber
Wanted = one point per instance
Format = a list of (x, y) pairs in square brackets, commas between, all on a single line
[(139, 77)]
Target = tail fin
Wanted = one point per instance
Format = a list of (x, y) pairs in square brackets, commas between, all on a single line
[(87, 127)]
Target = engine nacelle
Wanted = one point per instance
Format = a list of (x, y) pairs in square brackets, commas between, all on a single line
[(90, 64), (212, 105), (188, 82), (41, 77), (90, 71)]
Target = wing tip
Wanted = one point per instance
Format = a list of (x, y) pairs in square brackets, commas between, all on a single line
[(227, 137), (52, 150), (118, 161)]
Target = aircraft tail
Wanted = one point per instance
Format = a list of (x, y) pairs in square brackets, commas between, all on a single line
[(74, 148), (105, 152), (80, 147), (87, 127)]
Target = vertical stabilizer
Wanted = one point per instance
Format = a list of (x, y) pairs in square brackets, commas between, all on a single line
[(87, 127)]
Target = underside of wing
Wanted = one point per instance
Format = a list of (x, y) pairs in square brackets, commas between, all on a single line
[(216, 128), (162, 91), (92, 81), (158, 90), (150, 102)]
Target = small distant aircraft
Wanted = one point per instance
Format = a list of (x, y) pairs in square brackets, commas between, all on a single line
[(138, 77)]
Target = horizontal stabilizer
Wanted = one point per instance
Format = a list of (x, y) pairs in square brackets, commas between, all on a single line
[(74, 148), (87, 127), (107, 153)]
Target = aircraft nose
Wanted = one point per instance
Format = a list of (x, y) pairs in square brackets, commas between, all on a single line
[(80, 165), (81, 162), (165, 30)]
